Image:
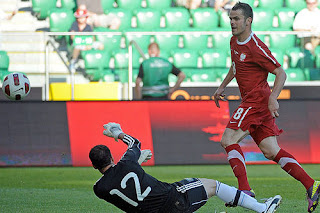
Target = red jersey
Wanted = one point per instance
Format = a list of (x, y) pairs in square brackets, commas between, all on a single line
[(251, 63)]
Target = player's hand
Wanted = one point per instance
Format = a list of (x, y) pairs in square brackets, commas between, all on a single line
[(145, 155), (219, 96), (273, 106), (112, 130)]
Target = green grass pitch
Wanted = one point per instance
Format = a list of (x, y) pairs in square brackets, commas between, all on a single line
[(69, 189)]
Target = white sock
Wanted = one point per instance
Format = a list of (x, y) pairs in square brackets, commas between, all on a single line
[(228, 195)]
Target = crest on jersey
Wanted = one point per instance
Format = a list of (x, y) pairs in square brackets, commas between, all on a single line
[(242, 56)]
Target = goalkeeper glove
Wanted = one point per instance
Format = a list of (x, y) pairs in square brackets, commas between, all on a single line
[(145, 155), (113, 130)]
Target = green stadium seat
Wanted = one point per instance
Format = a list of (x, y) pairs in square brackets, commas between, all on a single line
[(317, 56), (96, 64), (313, 74), (110, 42), (271, 77), (160, 5), (186, 60), (278, 54), (129, 4), (296, 5), (224, 20), (300, 58), (172, 78), (222, 73), (176, 18), (285, 17), (195, 41), (221, 39), (214, 58), (4, 61), (166, 42), (124, 15), (270, 4), (204, 18), (142, 40), (204, 75), (60, 20), (148, 18), (250, 2), (107, 5), (69, 4), (121, 64), (263, 19), (295, 74), (282, 40), (41, 8)]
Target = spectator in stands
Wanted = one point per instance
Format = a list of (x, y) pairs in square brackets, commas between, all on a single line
[(308, 20), (80, 25), (96, 16), (189, 4), (154, 73)]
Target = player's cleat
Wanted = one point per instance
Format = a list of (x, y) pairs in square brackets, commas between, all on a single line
[(272, 204), (248, 192), (313, 196)]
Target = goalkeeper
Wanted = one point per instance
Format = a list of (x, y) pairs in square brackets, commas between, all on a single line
[(127, 186)]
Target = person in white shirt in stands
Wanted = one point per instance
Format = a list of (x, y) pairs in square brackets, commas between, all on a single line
[(308, 20)]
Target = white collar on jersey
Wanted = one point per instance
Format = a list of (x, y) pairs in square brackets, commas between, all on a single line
[(246, 41)]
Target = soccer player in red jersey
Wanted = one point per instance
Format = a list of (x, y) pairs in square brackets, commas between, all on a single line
[(252, 61)]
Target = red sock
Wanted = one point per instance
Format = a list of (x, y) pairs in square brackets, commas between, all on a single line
[(237, 163), (289, 164)]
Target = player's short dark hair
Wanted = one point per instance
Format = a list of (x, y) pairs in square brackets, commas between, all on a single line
[(100, 156), (245, 8)]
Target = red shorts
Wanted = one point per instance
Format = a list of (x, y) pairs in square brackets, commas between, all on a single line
[(258, 120)]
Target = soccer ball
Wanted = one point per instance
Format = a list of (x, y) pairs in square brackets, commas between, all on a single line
[(16, 86)]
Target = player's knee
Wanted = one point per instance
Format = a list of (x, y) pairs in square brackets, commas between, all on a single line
[(269, 155), (226, 142)]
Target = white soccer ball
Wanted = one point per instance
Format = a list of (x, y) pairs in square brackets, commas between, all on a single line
[(16, 86)]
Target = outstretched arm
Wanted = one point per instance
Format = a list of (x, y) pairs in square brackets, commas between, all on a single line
[(134, 152)]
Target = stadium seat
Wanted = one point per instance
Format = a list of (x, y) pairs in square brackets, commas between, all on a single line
[(295, 74), (69, 4), (129, 4), (221, 39), (285, 17), (148, 18), (263, 19), (224, 20), (317, 56), (186, 60), (271, 77), (124, 15), (166, 42), (107, 5), (214, 58), (176, 18), (110, 42), (41, 8), (221, 73), (160, 5), (60, 20), (250, 2), (270, 4), (121, 64), (204, 75), (296, 5), (282, 41), (195, 41), (142, 40), (300, 58), (204, 18), (4, 64), (313, 74), (278, 54), (96, 64)]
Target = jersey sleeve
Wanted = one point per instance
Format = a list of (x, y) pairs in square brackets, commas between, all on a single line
[(134, 149), (175, 70), (264, 58), (140, 74)]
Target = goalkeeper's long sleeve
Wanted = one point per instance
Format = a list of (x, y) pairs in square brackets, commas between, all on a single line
[(134, 148)]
